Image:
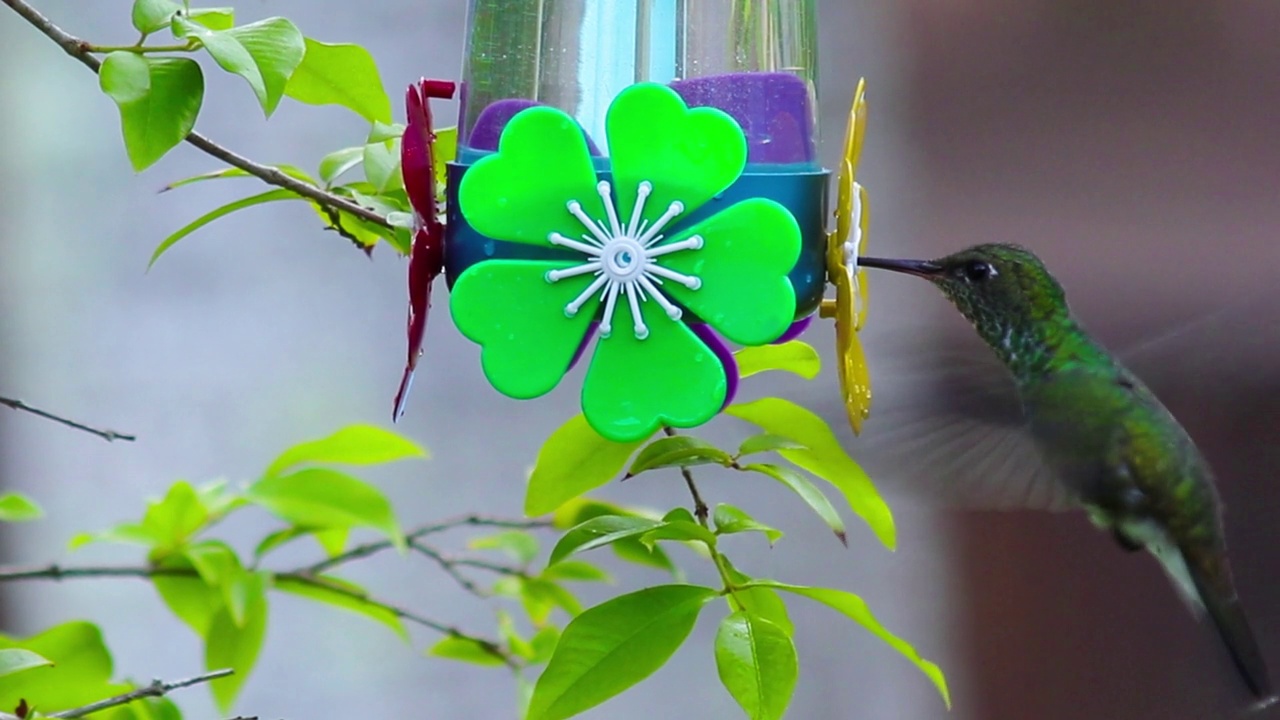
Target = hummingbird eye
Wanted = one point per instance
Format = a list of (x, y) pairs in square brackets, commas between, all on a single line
[(977, 271)]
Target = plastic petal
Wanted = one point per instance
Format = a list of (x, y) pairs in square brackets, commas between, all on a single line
[(747, 251), (687, 155), (635, 386), (521, 192), (509, 308), (850, 306)]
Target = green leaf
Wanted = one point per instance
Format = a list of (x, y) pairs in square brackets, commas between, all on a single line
[(823, 456), (544, 643), (323, 498), (599, 532), (341, 594), (220, 18), (576, 571), (511, 636), (277, 539), (352, 445), (16, 507), (158, 98), (241, 590), (235, 646), (266, 197), (794, 357), (757, 664), (16, 660), (580, 510), (151, 15), (382, 132), (615, 645), (333, 165), (855, 608), (541, 596), (682, 529), (382, 165), (807, 491), (124, 533), (292, 171), (175, 518), (759, 601), (465, 650), (521, 546), (80, 674), (332, 541), (340, 75), (189, 597), (264, 53), (729, 520), (678, 451), (214, 561), (766, 442), (573, 461)]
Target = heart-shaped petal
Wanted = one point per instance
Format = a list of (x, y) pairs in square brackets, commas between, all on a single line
[(747, 251), (521, 192), (509, 308), (635, 386), (687, 155)]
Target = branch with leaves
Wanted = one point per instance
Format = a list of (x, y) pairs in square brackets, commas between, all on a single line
[(160, 91)]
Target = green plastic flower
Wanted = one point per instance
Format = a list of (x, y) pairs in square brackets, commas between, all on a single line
[(639, 270)]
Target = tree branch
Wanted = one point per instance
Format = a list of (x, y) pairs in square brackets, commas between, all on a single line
[(157, 688), (83, 52), (700, 509), (470, 520), (108, 435), (305, 576)]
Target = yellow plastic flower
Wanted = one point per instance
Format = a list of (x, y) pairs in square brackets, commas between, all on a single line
[(844, 245)]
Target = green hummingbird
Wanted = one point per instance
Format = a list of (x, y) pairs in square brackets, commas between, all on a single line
[(1106, 439)]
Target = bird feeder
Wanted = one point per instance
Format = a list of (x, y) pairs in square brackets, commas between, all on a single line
[(634, 186)]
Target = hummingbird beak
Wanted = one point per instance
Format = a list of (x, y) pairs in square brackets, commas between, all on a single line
[(919, 268)]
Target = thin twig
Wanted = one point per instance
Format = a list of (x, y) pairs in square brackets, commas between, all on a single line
[(108, 435), (450, 567), (57, 572), (157, 688), (83, 51), (470, 520), (700, 509)]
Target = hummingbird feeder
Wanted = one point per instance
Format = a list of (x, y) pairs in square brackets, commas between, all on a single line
[(634, 185)]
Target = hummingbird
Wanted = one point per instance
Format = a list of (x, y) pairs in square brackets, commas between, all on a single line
[(1105, 438)]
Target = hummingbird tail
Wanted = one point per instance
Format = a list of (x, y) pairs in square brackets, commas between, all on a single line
[(1217, 593)]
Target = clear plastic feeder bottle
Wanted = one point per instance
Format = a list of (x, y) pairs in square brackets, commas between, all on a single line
[(642, 173)]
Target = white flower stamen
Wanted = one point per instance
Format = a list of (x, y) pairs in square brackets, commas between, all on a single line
[(573, 307), (624, 259), (853, 246)]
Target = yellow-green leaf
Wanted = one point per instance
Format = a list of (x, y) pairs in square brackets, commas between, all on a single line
[(794, 357), (573, 461), (823, 456), (158, 98), (465, 650), (352, 445), (855, 608), (16, 507), (340, 74)]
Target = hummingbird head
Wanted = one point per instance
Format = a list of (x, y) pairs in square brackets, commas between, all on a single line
[(1004, 290)]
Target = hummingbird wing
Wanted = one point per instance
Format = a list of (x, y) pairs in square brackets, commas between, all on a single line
[(948, 429)]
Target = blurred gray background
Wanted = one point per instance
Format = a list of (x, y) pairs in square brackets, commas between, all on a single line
[(1130, 143)]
